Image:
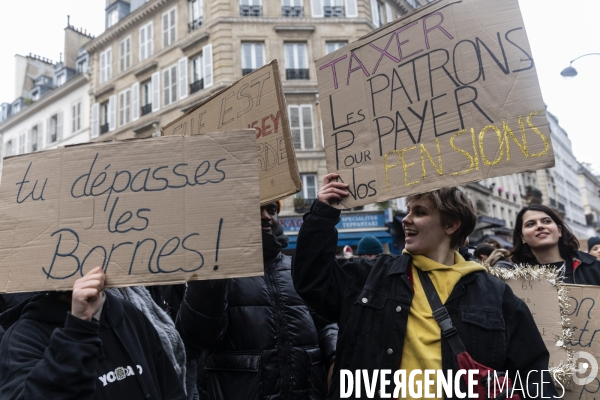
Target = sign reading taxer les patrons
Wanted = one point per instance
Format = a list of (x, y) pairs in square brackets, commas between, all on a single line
[(257, 102), (149, 211), (447, 95)]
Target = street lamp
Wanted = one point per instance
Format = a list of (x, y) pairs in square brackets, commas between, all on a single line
[(571, 72)]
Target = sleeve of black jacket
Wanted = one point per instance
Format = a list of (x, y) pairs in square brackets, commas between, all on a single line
[(328, 334), (66, 369), (319, 278), (202, 318), (527, 352)]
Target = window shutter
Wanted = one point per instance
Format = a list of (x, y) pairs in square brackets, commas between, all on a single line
[(183, 78), (112, 112), (95, 120), (59, 126), (40, 136), (142, 43), (351, 9), (102, 67), (109, 64), (374, 12), (165, 28), (388, 13), (48, 130), (149, 41), (207, 59), (317, 8), (135, 93), (155, 91)]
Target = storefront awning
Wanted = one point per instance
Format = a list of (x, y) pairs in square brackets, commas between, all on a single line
[(350, 238)]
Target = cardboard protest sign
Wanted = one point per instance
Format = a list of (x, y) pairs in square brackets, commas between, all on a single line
[(149, 211), (445, 96), (255, 101), (584, 313)]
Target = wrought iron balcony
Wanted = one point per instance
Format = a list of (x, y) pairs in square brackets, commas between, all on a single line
[(292, 11), (296, 74), (250, 11), (147, 109), (333, 11), (246, 71), (194, 87), (195, 24), (104, 128)]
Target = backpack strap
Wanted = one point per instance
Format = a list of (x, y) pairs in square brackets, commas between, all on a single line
[(440, 314)]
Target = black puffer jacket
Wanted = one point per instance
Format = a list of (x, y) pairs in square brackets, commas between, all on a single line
[(265, 342)]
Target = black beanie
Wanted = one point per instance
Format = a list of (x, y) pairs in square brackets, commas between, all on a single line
[(593, 241), (369, 245)]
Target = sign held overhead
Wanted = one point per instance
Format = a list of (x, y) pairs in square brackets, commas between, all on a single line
[(447, 95), (256, 101), (149, 211)]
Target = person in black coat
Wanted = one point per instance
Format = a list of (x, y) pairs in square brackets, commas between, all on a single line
[(263, 341), (85, 345), (541, 237)]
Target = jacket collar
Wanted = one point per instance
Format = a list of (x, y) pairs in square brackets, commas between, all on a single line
[(586, 258), (400, 265)]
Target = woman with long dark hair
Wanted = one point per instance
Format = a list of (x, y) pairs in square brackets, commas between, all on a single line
[(541, 237)]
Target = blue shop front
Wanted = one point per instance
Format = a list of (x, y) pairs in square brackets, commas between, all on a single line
[(351, 228)]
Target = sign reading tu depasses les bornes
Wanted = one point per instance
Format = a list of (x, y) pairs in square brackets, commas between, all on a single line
[(149, 211), (445, 96)]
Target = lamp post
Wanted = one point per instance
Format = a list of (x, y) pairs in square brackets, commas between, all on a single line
[(571, 72)]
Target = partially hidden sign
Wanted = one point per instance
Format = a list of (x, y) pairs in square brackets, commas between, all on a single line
[(584, 313), (256, 101), (445, 96), (149, 211)]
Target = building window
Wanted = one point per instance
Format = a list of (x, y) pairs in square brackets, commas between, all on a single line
[(145, 41), (333, 8), (302, 126), (53, 129), (250, 8), (292, 8), (195, 15), (168, 27), (16, 108), (82, 66), (124, 107), (413, 3), (377, 12), (105, 65), (124, 54), (146, 97), (197, 74), (104, 117), (253, 57), (8, 149), (296, 61), (330, 47), (35, 95), (112, 18), (33, 138), (170, 85), (61, 79), (76, 117)]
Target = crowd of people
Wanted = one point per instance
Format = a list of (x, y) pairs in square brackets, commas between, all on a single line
[(287, 334)]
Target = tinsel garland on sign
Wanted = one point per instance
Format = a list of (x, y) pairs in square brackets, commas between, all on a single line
[(563, 372)]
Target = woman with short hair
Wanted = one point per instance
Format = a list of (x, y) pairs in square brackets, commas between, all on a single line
[(541, 237), (384, 308)]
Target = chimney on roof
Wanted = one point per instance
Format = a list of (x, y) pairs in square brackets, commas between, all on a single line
[(68, 20)]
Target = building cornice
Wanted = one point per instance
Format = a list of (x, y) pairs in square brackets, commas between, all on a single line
[(71, 85), (123, 26)]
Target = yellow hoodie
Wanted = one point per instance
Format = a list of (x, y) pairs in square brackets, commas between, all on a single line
[(423, 341)]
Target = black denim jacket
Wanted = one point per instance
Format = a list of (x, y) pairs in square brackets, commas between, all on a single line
[(370, 300)]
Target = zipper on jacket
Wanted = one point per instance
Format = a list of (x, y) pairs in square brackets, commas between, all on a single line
[(283, 339)]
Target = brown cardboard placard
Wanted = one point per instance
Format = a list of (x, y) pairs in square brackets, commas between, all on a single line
[(542, 299), (150, 211), (445, 96), (256, 101), (584, 313)]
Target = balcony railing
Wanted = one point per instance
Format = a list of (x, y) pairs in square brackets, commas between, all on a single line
[(147, 109), (104, 128), (333, 11), (296, 73), (302, 205), (250, 11), (195, 24), (194, 87), (246, 71), (292, 11)]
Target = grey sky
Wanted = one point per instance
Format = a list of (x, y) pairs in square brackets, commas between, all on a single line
[(558, 32)]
